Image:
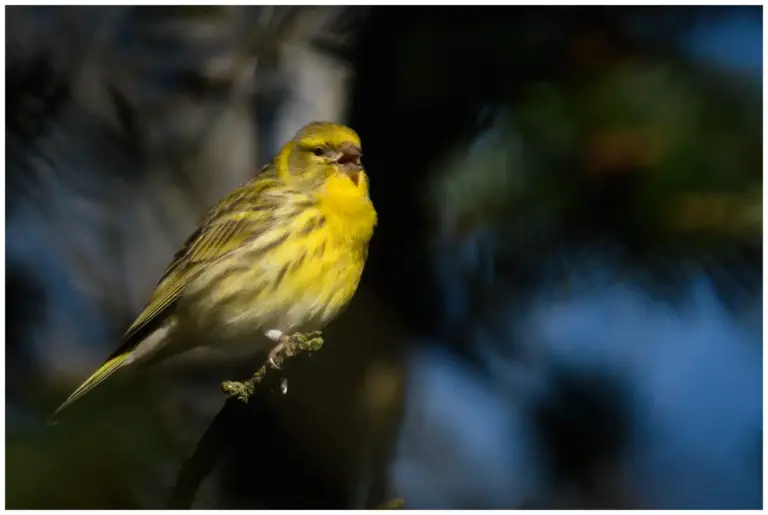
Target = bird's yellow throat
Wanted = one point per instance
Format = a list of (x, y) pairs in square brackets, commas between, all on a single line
[(348, 207)]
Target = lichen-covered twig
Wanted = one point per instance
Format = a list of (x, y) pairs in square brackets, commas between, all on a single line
[(301, 343), (201, 463)]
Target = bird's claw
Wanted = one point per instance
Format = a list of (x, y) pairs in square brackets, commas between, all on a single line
[(285, 349), (291, 345), (278, 354)]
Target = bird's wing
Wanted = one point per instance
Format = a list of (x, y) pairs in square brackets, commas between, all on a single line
[(228, 226), (243, 215)]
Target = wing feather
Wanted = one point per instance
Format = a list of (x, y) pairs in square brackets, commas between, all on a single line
[(228, 226)]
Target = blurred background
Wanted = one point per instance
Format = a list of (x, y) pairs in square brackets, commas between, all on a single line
[(562, 304)]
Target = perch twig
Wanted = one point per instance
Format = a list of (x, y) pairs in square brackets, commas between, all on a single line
[(302, 343)]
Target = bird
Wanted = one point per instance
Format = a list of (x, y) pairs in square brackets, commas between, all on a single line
[(283, 254)]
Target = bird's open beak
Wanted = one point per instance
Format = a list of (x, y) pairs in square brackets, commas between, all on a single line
[(349, 162)]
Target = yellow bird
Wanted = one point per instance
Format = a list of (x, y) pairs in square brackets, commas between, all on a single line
[(280, 255)]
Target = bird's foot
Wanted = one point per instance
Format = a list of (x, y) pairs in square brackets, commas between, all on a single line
[(289, 346)]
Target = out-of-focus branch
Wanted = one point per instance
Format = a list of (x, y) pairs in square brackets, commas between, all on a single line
[(202, 462), (392, 504)]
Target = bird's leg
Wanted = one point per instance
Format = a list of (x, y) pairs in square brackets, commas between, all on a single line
[(284, 349)]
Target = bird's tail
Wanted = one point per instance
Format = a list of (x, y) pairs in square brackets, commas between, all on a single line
[(106, 370)]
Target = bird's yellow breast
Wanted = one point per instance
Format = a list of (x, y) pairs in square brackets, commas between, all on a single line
[(303, 281), (336, 250)]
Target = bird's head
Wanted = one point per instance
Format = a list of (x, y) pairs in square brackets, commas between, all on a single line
[(321, 150)]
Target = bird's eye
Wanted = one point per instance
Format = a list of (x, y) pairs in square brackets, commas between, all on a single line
[(318, 151)]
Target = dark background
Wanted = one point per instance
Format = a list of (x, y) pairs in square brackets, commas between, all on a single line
[(562, 304)]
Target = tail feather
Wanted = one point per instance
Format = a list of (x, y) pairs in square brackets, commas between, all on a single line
[(106, 370)]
